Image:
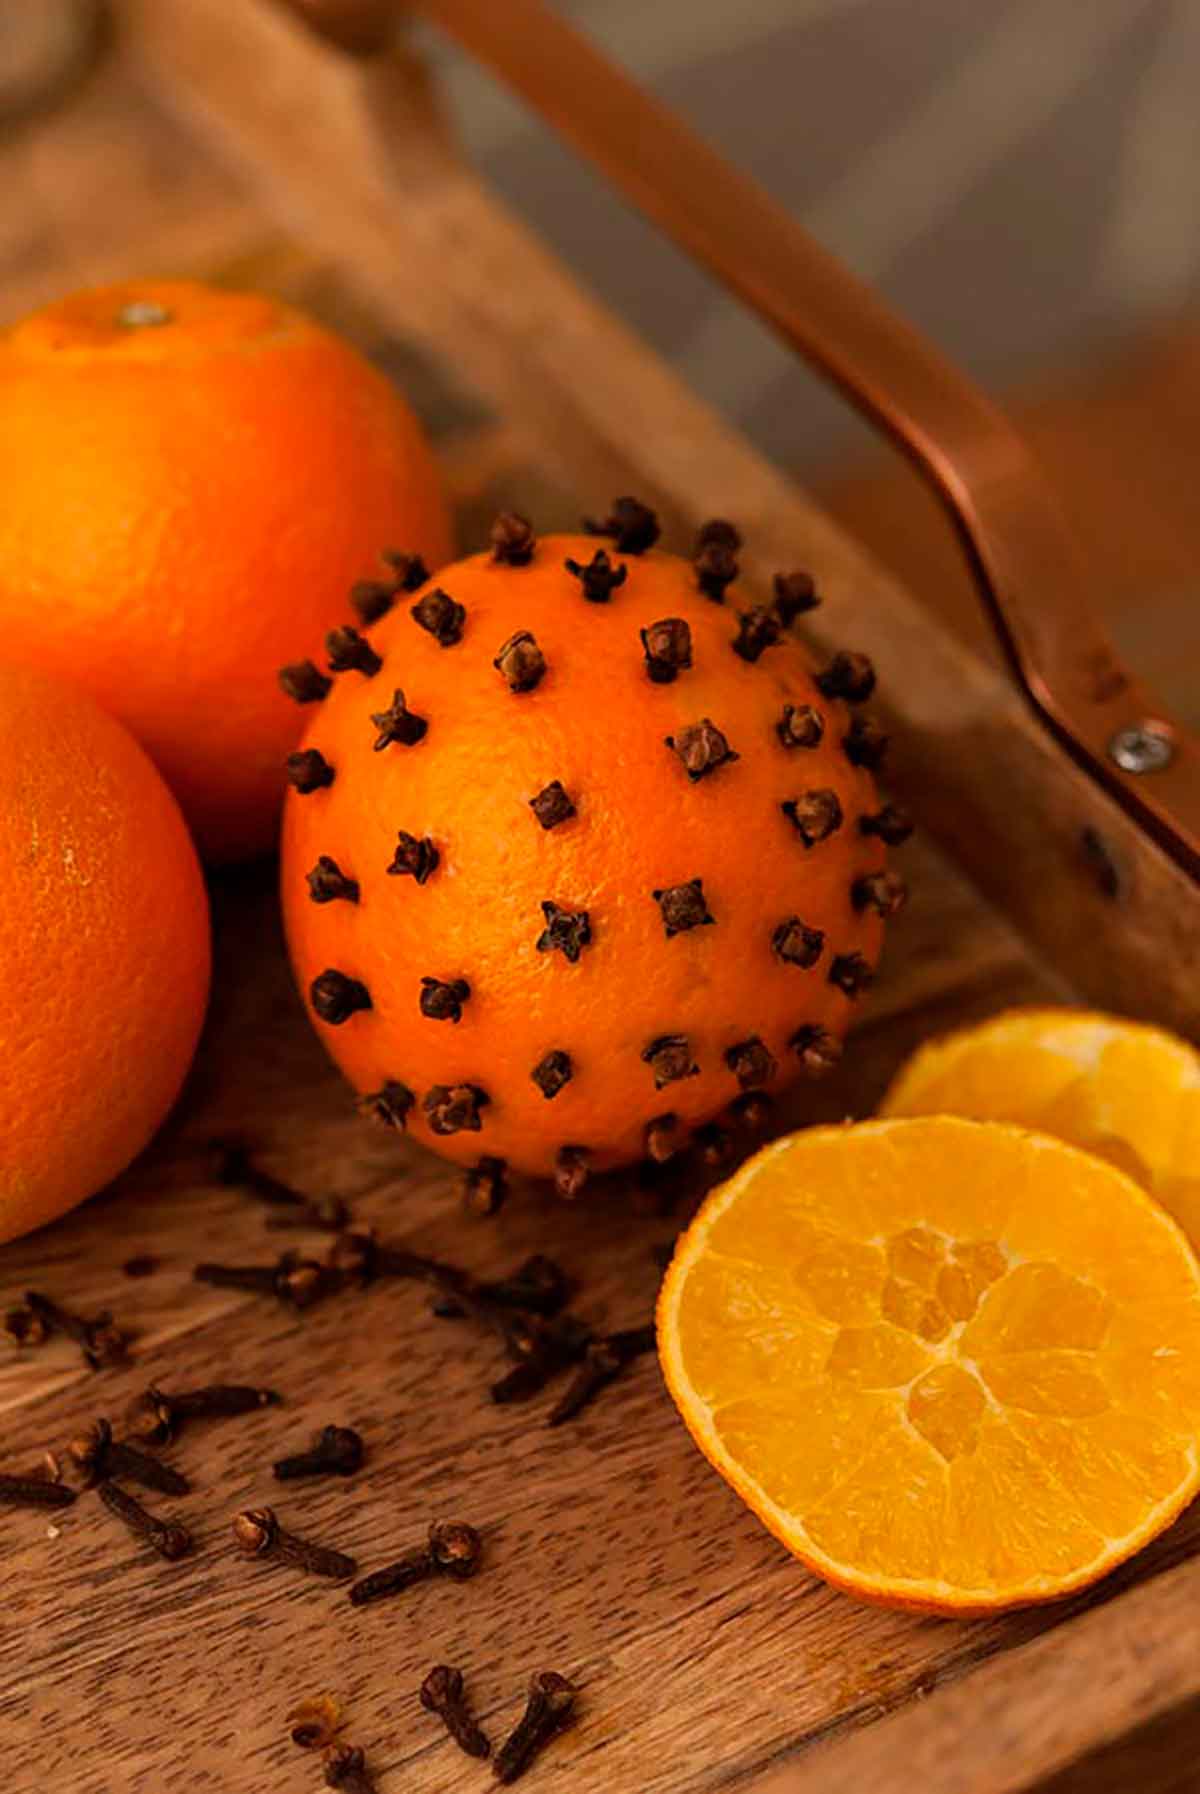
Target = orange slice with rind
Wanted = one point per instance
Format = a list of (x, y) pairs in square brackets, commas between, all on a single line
[(1125, 1091), (953, 1366)]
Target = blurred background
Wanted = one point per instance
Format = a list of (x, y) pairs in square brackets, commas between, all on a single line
[(1020, 177)]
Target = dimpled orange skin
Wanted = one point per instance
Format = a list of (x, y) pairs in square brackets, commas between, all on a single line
[(104, 954), (182, 509), (596, 723)]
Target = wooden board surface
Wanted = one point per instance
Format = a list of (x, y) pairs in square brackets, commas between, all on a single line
[(708, 1659)]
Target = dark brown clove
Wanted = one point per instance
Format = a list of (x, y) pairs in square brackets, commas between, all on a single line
[(551, 1699), (398, 724), (513, 540), (346, 1768), (884, 892), (599, 578), (442, 1693), (682, 907), (552, 805), (485, 1186), (539, 1285), (851, 973), (716, 568), (891, 825), (818, 1050), (815, 815), (797, 944), (336, 1451), (758, 629), (414, 858), (753, 1111), (662, 1138), (572, 1168), (142, 1264), (865, 743), (304, 682), (633, 525), (441, 615), (257, 1533), (411, 571), (453, 1549), (795, 594), (454, 1108), (441, 1001), (308, 770), (351, 652), (553, 1072), (667, 646), (103, 1344), (335, 997), (567, 931), (606, 1358), (389, 1105), (34, 1491), (234, 1166), (717, 529), (372, 599), (702, 748), (521, 662), (800, 726), (168, 1538), (98, 1456), (24, 1327), (751, 1062), (156, 1417), (327, 883), (298, 1282), (558, 1343), (848, 676), (714, 1145), (670, 1058)]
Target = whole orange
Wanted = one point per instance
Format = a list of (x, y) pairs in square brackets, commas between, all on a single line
[(581, 850), (104, 954), (190, 481)]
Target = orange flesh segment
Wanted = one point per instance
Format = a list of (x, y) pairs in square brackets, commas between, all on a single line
[(953, 1366), (1124, 1091)]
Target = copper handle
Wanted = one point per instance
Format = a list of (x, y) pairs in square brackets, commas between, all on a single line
[(1024, 561)]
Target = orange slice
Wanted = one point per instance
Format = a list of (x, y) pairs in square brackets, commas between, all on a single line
[(1127, 1092), (952, 1365)]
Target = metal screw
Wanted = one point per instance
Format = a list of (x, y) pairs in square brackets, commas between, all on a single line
[(1142, 747)]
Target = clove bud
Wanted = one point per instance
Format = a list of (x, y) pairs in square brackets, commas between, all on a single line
[(682, 907), (633, 525), (521, 662), (667, 646), (304, 683), (599, 578), (513, 540), (439, 614), (349, 651), (327, 883), (308, 770), (702, 748), (815, 815)]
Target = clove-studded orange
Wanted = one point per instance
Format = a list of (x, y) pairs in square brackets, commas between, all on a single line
[(189, 481), (580, 849)]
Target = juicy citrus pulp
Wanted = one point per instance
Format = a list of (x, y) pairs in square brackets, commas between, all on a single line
[(1127, 1092), (951, 1365)]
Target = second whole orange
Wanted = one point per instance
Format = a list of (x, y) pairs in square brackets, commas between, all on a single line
[(104, 954), (190, 481)]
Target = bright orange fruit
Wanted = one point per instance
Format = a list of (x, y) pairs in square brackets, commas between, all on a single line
[(581, 848), (104, 953), (190, 481), (1128, 1092), (952, 1365)]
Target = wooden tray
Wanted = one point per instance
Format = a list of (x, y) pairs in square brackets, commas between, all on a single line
[(708, 1658)]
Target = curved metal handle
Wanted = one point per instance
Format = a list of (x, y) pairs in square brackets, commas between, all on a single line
[(1023, 558)]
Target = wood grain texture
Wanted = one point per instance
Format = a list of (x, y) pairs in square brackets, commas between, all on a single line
[(708, 1658), (1105, 1703), (359, 159)]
